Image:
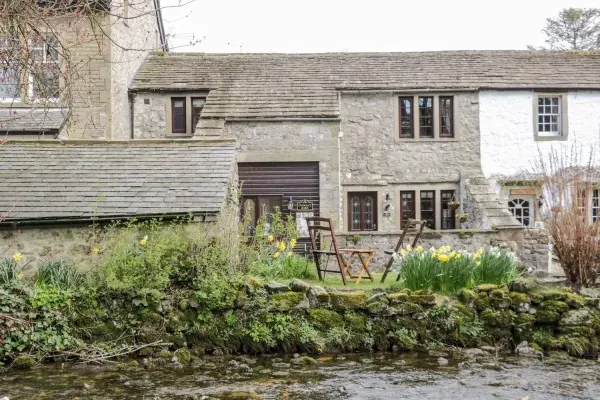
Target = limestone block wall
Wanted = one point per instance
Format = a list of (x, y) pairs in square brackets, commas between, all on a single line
[(535, 249), (294, 141)]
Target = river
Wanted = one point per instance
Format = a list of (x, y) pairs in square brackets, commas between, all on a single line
[(349, 376)]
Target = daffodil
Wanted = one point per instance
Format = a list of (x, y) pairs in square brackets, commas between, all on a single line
[(95, 250), (270, 238), (276, 254), (443, 258), (17, 256), (452, 254), (281, 246), (403, 253), (409, 248), (20, 276), (419, 249), (290, 254), (144, 240), (292, 243)]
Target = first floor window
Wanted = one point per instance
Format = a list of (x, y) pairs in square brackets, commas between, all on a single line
[(448, 213), (428, 207), (178, 107), (426, 117), (362, 211), (44, 73), (10, 71), (521, 210), (407, 206), (197, 106), (596, 205), (549, 116), (446, 116)]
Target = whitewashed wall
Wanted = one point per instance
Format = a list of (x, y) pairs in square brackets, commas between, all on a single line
[(506, 125)]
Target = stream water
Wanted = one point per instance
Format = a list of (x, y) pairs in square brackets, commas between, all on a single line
[(355, 376)]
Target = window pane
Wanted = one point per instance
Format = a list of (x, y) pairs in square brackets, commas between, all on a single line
[(45, 71), (406, 117), (10, 72), (426, 117), (520, 209), (428, 207), (197, 106), (446, 117), (362, 211), (367, 216), (549, 114), (448, 214), (355, 213), (178, 115)]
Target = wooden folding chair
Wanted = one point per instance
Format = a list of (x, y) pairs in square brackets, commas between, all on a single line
[(315, 226), (408, 225)]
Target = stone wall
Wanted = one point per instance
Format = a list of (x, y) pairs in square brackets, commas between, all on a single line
[(535, 249)]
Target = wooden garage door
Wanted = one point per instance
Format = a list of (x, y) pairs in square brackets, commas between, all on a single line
[(295, 181)]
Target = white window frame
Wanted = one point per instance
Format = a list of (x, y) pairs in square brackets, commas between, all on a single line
[(562, 126), (531, 208)]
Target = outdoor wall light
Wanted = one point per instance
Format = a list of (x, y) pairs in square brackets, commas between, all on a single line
[(290, 204)]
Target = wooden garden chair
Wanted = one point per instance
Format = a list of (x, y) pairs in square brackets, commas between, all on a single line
[(411, 224), (317, 226)]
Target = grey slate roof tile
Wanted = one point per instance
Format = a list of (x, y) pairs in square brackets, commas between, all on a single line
[(32, 120), (109, 180), (305, 85)]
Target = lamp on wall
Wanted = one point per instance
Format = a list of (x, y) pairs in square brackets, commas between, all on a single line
[(290, 204), (387, 197), (541, 200)]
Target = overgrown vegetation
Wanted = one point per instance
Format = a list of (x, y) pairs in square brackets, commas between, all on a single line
[(448, 271)]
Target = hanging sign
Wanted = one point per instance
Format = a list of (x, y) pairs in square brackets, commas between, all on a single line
[(527, 191), (304, 205)]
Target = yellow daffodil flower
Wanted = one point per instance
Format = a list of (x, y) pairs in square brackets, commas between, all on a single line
[(452, 254), (95, 250), (20, 276), (403, 253), (290, 254), (419, 249), (443, 258), (17, 256), (276, 254), (459, 256), (292, 243), (281, 246), (144, 241), (409, 248), (270, 238)]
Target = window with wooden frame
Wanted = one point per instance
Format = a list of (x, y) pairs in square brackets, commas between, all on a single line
[(197, 106), (427, 202), (426, 117), (446, 116), (362, 211), (550, 116), (407, 206), (448, 214), (178, 114), (406, 117), (596, 205)]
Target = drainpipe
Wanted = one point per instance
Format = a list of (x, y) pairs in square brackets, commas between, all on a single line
[(131, 98), (339, 140)]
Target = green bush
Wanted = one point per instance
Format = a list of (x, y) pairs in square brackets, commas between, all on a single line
[(58, 274)]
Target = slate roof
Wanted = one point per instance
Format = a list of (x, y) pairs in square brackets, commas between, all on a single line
[(305, 85), (107, 180), (32, 120)]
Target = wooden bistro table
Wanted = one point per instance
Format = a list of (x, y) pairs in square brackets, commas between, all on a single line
[(364, 255)]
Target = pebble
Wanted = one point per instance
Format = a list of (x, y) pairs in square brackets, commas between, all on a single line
[(442, 361), (400, 363), (280, 373), (87, 386), (342, 390)]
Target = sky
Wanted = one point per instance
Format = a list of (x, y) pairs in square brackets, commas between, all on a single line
[(310, 26)]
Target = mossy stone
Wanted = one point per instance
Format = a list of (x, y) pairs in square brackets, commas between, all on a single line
[(404, 309), (317, 296), (518, 298), (325, 319), (482, 301), (288, 301), (183, 356), (423, 292), (165, 355), (497, 318), (184, 304), (356, 322), (343, 301), (253, 284), (23, 362), (377, 307), (177, 321), (554, 305), (578, 317), (127, 366), (574, 300), (546, 316), (553, 294), (585, 331), (467, 296), (397, 298), (499, 298), (422, 299), (486, 287)]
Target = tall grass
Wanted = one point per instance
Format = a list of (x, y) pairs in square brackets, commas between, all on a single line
[(9, 271), (447, 271)]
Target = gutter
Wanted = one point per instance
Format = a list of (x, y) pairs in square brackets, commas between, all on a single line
[(161, 27), (64, 221)]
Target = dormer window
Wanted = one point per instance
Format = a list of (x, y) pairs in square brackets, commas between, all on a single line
[(178, 106), (197, 106)]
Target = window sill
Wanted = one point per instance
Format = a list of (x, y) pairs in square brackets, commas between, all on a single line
[(180, 135), (541, 138), (424, 140)]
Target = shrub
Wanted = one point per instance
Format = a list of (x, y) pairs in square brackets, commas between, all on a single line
[(496, 266), (58, 274)]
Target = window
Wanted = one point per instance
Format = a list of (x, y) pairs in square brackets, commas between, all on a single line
[(428, 207), (407, 206), (362, 211), (448, 213), (406, 117), (549, 115), (256, 207), (596, 205), (581, 201), (44, 73), (178, 106), (10, 72), (426, 117), (446, 116), (197, 106), (521, 210)]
